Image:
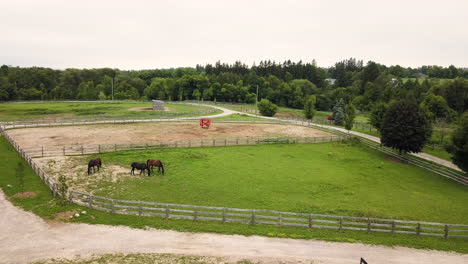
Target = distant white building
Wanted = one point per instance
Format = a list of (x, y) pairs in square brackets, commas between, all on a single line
[(331, 81)]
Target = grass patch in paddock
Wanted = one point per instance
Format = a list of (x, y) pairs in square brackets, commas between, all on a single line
[(239, 117), (331, 178), (46, 206), (87, 110)]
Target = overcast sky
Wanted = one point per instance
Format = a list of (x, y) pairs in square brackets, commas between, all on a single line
[(137, 34)]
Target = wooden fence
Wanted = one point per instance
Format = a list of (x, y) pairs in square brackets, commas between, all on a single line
[(103, 120), (269, 217), (247, 216), (92, 149)]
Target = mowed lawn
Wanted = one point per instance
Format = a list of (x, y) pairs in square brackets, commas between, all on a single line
[(332, 178), (107, 109)]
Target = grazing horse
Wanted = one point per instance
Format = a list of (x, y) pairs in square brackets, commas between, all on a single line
[(94, 163), (155, 163), (139, 166)]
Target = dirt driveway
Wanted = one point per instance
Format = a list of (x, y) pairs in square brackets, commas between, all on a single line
[(24, 237), (152, 132)]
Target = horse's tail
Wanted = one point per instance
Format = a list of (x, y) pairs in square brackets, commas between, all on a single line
[(162, 167)]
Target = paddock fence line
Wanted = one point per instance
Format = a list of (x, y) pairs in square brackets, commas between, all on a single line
[(458, 176), (50, 182), (104, 120), (104, 148), (247, 216), (269, 217)]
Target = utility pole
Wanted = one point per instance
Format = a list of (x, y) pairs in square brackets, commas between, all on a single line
[(256, 99), (113, 88)]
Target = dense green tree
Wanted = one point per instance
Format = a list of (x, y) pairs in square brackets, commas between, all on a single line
[(460, 143), (435, 106), (267, 108), (309, 107), (405, 127), (377, 115), (349, 115)]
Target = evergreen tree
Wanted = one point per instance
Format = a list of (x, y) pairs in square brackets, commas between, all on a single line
[(405, 127), (338, 113), (460, 143)]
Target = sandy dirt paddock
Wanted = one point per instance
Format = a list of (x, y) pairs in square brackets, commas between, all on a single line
[(152, 132)]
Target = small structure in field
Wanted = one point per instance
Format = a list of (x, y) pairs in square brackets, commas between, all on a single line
[(158, 105)]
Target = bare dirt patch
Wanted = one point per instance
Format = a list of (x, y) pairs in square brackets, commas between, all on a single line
[(166, 109), (63, 215), (76, 171), (139, 133), (23, 195)]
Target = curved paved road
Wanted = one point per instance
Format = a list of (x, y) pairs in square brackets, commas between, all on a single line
[(24, 237)]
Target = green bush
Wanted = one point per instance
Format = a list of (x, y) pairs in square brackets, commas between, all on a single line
[(267, 108)]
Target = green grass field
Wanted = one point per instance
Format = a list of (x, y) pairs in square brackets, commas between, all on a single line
[(46, 206), (331, 178), (88, 110)]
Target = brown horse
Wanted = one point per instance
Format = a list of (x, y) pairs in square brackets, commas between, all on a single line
[(155, 163), (94, 163)]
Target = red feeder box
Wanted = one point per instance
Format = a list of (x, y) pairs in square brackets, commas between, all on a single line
[(205, 123)]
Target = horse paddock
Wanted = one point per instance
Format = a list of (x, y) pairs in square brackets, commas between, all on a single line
[(141, 133), (332, 178)]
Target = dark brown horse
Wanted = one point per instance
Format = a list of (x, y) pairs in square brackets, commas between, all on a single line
[(155, 163), (139, 166), (94, 163)]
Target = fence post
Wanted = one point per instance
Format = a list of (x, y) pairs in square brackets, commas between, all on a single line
[(167, 211), (224, 215), (113, 207), (214, 144), (418, 229), (368, 226), (42, 150), (99, 148), (280, 219), (82, 150), (237, 141), (195, 215), (90, 202), (252, 221), (310, 221), (64, 150), (115, 147), (139, 208), (446, 231), (393, 227), (341, 225)]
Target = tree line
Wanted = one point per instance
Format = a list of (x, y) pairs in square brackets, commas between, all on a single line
[(285, 84)]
